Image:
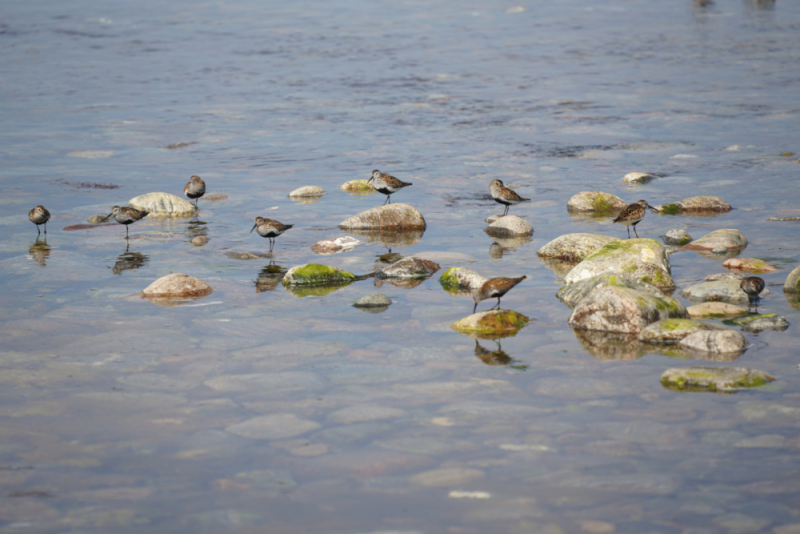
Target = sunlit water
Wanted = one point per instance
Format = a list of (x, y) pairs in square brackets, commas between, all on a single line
[(256, 410)]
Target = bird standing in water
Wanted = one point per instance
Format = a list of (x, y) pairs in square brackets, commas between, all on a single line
[(39, 215), (125, 215), (269, 229), (386, 184), (495, 287), (632, 214), (753, 286), (505, 195), (195, 189)]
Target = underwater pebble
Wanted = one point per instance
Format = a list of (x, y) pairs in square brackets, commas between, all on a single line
[(446, 477), (373, 300), (277, 426)]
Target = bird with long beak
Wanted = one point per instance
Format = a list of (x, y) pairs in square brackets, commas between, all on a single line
[(386, 184), (494, 287), (632, 214), (125, 215), (269, 229)]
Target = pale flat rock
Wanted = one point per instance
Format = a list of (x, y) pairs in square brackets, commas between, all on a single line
[(677, 237), (792, 284), (643, 259), (720, 276), (307, 191), (461, 281), (595, 201), (714, 341), (757, 323), (714, 310), (722, 290), (638, 178), (272, 382), (729, 238), (438, 478), (574, 247), (357, 186), (622, 310), (749, 265), (410, 267), (163, 205), (389, 217), (713, 378), (333, 246), (672, 331), (699, 204), (509, 226), (276, 426), (573, 293), (373, 300), (176, 285)]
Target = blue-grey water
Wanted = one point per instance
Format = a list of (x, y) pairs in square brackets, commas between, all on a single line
[(257, 410)]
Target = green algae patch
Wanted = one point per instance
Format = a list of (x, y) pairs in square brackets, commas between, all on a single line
[(459, 281), (670, 209), (314, 274), (314, 291), (357, 186), (747, 319), (603, 203), (499, 323), (714, 379)]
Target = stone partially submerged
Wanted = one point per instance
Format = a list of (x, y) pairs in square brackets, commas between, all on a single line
[(460, 281), (722, 379), (623, 310), (595, 202), (757, 323), (357, 186), (672, 331), (677, 237), (729, 238), (491, 324), (313, 274), (699, 204), (792, 284), (574, 247), (171, 289), (749, 265), (163, 205), (332, 246), (410, 267), (509, 226), (722, 290), (573, 293), (714, 341), (307, 191), (714, 310), (392, 217), (641, 258), (638, 178)]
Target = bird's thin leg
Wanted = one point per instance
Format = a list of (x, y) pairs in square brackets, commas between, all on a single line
[(126, 231), (497, 305), (45, 228), (39, 231), (628, 228), (505, 212), (634, 231), (475, 307)]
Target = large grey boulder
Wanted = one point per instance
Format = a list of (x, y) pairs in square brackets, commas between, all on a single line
[(163, 205), (643, 259), (699, 204), (595, 202), (574, 247), (672, 331), (729, 238), (722, 290), (622, 310), (389, 217), (573, 293), (714, 341)]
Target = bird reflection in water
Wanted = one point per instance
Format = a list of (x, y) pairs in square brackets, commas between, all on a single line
[(496, 357), (129, 260), (40, 251), (196, 228), (269, 277)]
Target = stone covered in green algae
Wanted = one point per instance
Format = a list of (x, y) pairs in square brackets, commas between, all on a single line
[(461, 281), (757, 323), (357, 186), (595, 201), (314, 291), (672, 331), (643, 259), (573, 293), (719, 379), (491, 323), (574, 247), (622, 310), (313, 274), (703, 203)]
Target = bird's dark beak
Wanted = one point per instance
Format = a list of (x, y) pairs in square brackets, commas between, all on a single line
[(109, 215), (253, 228), (370, 178)]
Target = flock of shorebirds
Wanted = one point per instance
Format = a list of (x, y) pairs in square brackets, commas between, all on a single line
[(387, 184)]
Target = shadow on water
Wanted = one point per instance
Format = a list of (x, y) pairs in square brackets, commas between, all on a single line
[(390, 240), (40, 251), (129, 260), (496, 356), (196, 228), (269, 277), (609, 346)]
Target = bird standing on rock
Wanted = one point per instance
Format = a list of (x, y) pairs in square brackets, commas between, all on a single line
[(494, 287), (195, 189), (39, 215), (505, 195), (632, 214), (753, 286), (386, 184), (269, 229), (125, 215)]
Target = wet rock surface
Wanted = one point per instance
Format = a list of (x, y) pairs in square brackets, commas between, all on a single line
[(792, 284), (332, 246), (491, 324), (721, 290), (389, 217), (199, 241), (410, 267), (672, 331), (677, 237), (307, 191), (643, 259), (509, 226), (163, 205), (573, 293), (699, 204), (358, 186), (638, 178), (623, 310), (713, 378), (714, 341), (176, 286), (96, 219), (373, 300), (574, 247), (461, 281), (730, 239), (749, 265), (313, 274), (595, 202), (715, 310), (757, 323)]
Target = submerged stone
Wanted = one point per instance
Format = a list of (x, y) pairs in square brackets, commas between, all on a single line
[(461, 281), (595, 201), (677, 237), (373, 300), (500, 323), (713, 378), (307, 191), (313, 274), (332, 246), (757, 323), (724, 289), (643, 259), (163, 205), (622, 310), (176, 286), (750, 265), (357, 186), (638, 178), (703, 203), (389, 217), (574, 247), (573, 293), (199, 241), (410, 267), (672, 331), (276, 426)]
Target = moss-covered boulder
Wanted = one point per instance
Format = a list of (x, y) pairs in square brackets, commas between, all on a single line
[(699, 204), (411, 267), (757, 323), (595, 202), (730, 238), (622, 310), (459, 281), (573, 293), (357, 186), (714, 310), (792, 284), (716, 379), (392, 217), (574, 247), (313, 274), (722, 290), (749, 265), (491, 324), (643, 259), (672, 331)]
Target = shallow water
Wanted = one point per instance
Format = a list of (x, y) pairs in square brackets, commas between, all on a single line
[(257, 409)]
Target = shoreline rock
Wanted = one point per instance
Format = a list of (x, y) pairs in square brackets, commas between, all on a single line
[(509, 226), (792, 284), (170, 290), (672, 331), (757, 323), (573, 293), (638, 178), (461, 281), (750, 265), (714, 310), (307, 191), (623, 310), (333, 246), (392, 217), (491, 324), (358, 186), (314, 274), (409, 267), (574, 247), (729, 238), (714, 341), (642, 258), (724, 290)]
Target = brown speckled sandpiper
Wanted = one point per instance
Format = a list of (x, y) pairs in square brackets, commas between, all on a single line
[(39, 215), (125, 215), (632, 214), (269, 229), (753, 286), (505, 195), (386, 184), (494, 287), (195, 189)]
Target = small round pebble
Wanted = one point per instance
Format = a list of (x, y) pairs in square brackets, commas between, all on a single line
[(372, 300)]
